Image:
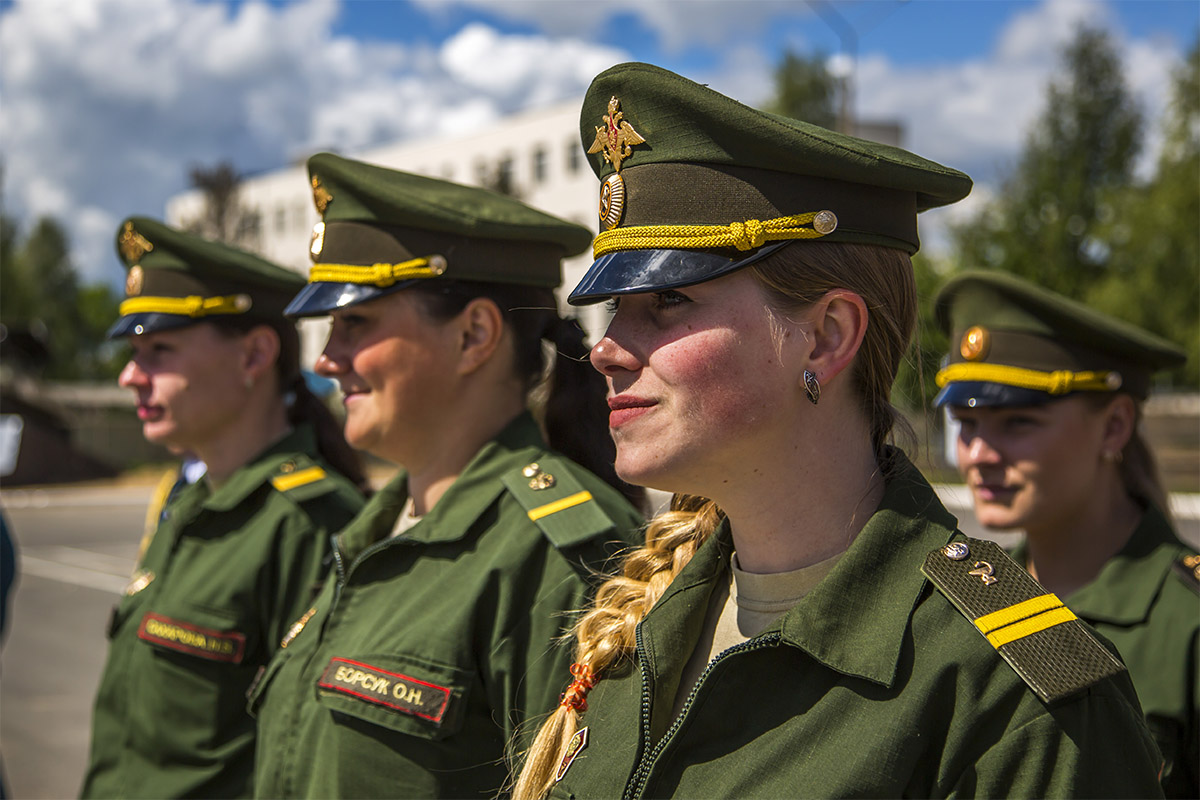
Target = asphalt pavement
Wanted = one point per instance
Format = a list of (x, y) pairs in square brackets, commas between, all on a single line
[(76, 548)]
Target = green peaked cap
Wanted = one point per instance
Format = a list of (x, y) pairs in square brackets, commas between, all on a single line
[(670, 152), (382, 229), (175, 278), (1015, 343)]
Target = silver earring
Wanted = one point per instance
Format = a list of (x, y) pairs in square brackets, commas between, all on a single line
[(812, 387)]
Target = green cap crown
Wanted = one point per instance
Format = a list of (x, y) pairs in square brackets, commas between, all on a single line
[(704, 158), (176, 278), (1014, 343)]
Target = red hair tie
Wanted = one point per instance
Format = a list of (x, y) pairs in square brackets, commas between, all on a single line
[(576, 694)]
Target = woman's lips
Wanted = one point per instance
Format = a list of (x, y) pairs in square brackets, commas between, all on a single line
[(994, 492), (149, 413), (625, 408)]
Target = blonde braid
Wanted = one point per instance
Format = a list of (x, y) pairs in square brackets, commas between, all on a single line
[(605, 635)]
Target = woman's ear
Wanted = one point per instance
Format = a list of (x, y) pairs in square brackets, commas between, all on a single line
[(480, 329), (260, 351), (838, 325), (1120, 418)]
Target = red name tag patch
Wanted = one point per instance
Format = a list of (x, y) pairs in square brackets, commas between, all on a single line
[(227, 646), (389, 689)]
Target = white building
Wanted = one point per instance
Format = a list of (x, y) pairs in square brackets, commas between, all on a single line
[(538, 152)]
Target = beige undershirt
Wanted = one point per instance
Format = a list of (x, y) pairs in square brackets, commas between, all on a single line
[(743, 605), (406, 519)]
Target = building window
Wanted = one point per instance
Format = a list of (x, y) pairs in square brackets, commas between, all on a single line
[(280, 219), (539, 165), (574, 157)]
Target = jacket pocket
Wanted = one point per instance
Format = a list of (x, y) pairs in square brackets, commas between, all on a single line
[(402, 693)]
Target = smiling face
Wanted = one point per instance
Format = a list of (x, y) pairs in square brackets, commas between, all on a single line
[(395, 366), (696, 384), (1030, 466), (188, 383)]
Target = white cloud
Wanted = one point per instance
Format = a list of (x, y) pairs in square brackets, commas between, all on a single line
[(107, 105)]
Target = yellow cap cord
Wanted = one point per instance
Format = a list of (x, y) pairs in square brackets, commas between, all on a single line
[(381, 275), (1056, 383), (193, 306), (743, 235)]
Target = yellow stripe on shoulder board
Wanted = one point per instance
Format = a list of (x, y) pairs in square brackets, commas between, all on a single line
[(1023, 619), (559, 505), (294, 479), (1014, 613)]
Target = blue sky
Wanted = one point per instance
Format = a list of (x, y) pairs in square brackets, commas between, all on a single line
[(105, 104)]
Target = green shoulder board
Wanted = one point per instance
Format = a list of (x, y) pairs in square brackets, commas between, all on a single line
[(301, 480), (1036, 634), (557, 503), (1188, 570)]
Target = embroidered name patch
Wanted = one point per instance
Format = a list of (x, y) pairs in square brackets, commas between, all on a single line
[(389, 689), (192, 639)]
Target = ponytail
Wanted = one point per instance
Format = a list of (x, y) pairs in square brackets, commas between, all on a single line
[(605, 635)]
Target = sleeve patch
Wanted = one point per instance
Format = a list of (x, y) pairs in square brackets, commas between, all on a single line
[(1039, 637), (293, 480)]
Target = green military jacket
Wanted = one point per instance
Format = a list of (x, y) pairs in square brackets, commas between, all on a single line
[(1145, 602), (873, 685), (224, 575), (425, 653)]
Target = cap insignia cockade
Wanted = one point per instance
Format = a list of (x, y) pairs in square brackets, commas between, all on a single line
[(132, 244), (975, 343), (134, 280), (321, 196), (316, 242), (615, 139)]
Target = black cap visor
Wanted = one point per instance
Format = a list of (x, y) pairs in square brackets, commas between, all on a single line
[(984, 394), (640, 271), (148, 322), (322, 298)]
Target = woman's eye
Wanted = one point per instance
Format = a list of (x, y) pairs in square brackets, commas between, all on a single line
[(669, 299)]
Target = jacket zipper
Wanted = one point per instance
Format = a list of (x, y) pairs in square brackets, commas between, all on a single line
[(637, 782)]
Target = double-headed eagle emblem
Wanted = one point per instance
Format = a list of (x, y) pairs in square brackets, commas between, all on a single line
[(616, 137), (132, 244)]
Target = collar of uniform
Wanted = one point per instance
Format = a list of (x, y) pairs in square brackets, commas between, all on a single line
[(464, 502), (262, 468), (1127, 585), (854, 621)]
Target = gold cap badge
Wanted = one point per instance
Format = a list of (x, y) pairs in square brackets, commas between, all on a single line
[(134, 280), (615, 139), (974, 345), (321, 196), (132, 244)]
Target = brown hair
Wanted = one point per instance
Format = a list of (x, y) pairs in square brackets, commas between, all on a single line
[(792, 277), (573, 412), (1138, 467)]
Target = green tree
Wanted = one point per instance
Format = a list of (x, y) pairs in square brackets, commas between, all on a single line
[(1153, 274), (805, 90), (1048, 223)]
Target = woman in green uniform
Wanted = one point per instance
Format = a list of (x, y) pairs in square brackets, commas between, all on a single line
[(1048, 395), (236, 555), (434, 641), (805, 621)]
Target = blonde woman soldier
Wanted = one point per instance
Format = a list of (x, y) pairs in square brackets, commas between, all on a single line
[(437, 635), (1048, 395), (805, 621), (236, 555)]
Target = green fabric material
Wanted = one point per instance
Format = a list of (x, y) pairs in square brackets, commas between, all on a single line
[(873, 685), (1034, 328), (470, 601), (377, 215), (683, 122), (1146, 609), (182, 264), (243, 560)]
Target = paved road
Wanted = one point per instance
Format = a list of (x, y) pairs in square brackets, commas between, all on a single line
[(76, 549)]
